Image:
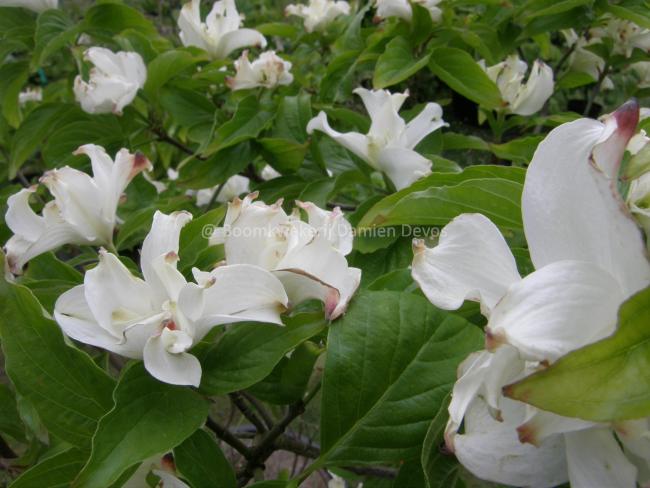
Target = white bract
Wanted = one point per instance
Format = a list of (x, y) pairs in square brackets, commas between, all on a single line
[(309, 258), (583, 60), (318, 14), (234, 186), (160, 318), (638, 199), (35, 5), (626, 35), (34, 94), (113, 83), (389, 144), (269, 173), (403, 9), (83, 209), (521, 98), (642, 69), (220, 34), (589, 257), (268, 71)]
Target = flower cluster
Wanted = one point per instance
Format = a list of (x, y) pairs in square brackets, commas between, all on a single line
[(589, 257)]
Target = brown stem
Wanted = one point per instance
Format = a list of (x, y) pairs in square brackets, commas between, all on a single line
[(239, 402), (264, 413), (226, 436)]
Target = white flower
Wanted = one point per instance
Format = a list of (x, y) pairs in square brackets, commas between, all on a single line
[(269, 173), (642, 69), (220, 34), (160, 318), (234, 186), (114, 80), (159, 465), (521, 98), (403, 9), (35, 5), (309, 258), (269, 71), (626, 35), (318, 14), (589, 257), (390, 142), (83, 209), (583, 60), (30, 95)]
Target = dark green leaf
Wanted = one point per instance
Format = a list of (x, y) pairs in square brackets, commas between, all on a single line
[(201, 462), (397, 64)]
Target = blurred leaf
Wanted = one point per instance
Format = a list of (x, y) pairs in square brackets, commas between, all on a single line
[(639, 15), (247, 352), (10, 422), (56, 471), (519, 150), (201, 462), (54, 30), (459, 70), (397, 64), (67, 389), (283, 154), (250, 118), (12, 79), (605, 381), (116, 17), (294, 113), (149, 418), (162, 69)]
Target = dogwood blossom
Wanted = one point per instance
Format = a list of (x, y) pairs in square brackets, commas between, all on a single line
[(642, 69), (35, 5), (589, 257), (160, 466), (638, 199), (308, 257), (389, 144), (626, 35), (234, 186), (403, 9), (159, 318), (268, 71), (318, 14), (269, 173), (519, 97), (582, 60), (220, 34), (83, 209), (113, 83)]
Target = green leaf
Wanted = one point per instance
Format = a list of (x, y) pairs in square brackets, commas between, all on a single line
[(163, 68), (494, 191), (539, 8), (519, 150), (54, 29), (17, 27), (250, 118), (459, 70), (201, 462), (149, 418), (283, 154), (195, 236), (294, 113), (603, 382), (116, 17), (288, 380), (390, 362), (10, 422), (218, 168), (639, 15), (13, 77), (67, 389), (56, 471), (248, 352), (396, 64), (36, 128)]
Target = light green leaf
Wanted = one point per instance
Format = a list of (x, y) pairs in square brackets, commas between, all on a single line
[(603, 382), (390, 362), (250, 118), (149, 418), (67, 389), (54, 29), (396, 63), (56, 471), (459, 70), (248, 352), (639, 16), (164, 68), (201, 462)]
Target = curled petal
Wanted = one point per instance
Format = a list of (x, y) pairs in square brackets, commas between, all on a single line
[(175, 368), (472, 261), (403, 166), (352, 141)]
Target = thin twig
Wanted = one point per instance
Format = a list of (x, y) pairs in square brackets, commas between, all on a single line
[(596, 89), (226, 436), (239, 402), (264, 413)]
